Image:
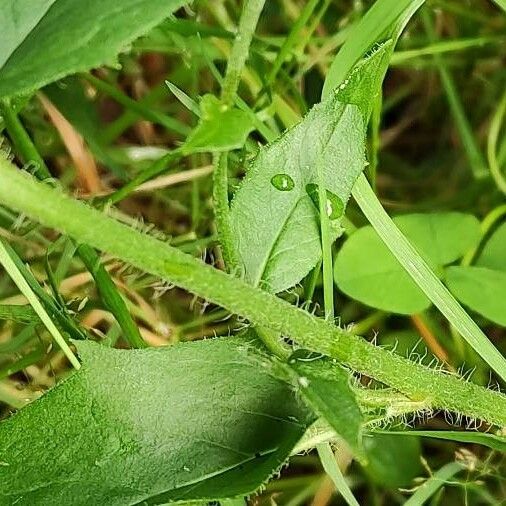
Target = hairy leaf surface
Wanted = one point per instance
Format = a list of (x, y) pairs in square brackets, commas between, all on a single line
[(203, 420), (71, 36)]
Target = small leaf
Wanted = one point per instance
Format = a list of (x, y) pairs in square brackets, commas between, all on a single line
[(393, 461), (70, 37), (221, 128), (325, 386), (366, 270), (203, 420), (481, 289), (277, 232)]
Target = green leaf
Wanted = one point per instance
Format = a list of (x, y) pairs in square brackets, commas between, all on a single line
[(221, 128), (367, 271), (72, 36), (481, 289), (201, 420), (493, 255), (393, 461), (274, 219), (325, 386), (18, 20)]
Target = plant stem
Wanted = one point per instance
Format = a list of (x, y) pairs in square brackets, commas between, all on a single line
[(238, 56), (493, 135), (474, 156), (240, 49), (421, 273), (53, 209)]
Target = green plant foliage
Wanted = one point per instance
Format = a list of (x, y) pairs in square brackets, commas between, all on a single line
[(19, 23), (46, 51), (193, 421), (366, 270), (276, 233), (326, 388), (221, 128), (483, 287), (392, 460), (493, 255)]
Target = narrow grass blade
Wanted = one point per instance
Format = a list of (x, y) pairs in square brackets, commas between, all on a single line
[(434, 483), (25, 289), (332, 469), (378, 20)]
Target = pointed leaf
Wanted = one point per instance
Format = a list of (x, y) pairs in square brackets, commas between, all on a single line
[(221, 128), (193, 421), (274, 219)]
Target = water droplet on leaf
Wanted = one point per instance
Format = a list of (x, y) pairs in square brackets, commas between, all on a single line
[(282, 182), (334, 205)]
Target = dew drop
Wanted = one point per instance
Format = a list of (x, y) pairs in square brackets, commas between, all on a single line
[(282, 182), (334, 205)]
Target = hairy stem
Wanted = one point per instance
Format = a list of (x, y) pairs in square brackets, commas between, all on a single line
[(238, 56), (53, 209)]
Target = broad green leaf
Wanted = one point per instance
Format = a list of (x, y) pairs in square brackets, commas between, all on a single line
[(221, 128), (325, 386), (72, 36), (202, 420), (274, 219), (493, 255), (18, 20), (481, 289), (367, 271), (392, 461)]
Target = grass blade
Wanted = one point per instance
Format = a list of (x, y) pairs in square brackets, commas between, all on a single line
[(434, 483), (332, 469), (25, 289)]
